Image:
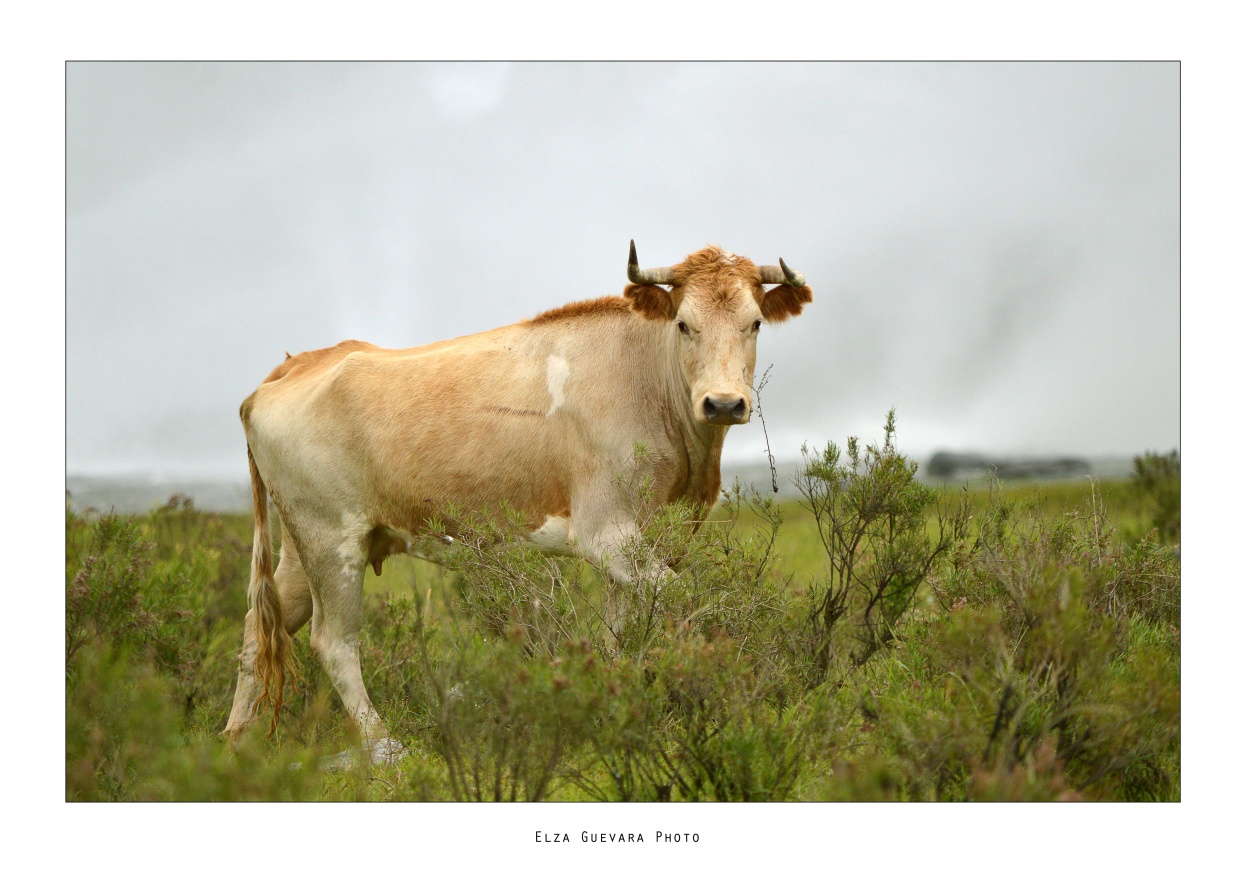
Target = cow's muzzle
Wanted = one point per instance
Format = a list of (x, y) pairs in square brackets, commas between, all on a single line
[(725, 410)]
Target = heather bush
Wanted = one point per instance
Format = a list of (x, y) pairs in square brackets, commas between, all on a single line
[(1037, 677), (504, 719), (1157, 478), (112, 594), (871, 515), (125, 740)]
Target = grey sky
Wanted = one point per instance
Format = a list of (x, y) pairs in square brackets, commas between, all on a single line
[(993, 248)]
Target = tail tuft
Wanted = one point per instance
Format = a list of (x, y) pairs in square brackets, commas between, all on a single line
[(275, 659)]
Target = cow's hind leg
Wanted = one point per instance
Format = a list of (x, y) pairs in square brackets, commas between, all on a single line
[(296, 600), (335, 563)]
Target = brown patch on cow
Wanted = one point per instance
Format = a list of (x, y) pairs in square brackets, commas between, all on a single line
[(585, 308), (785, 301), (720, 273), (651, 301)]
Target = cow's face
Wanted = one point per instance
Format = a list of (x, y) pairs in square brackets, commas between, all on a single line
[(715, 309)]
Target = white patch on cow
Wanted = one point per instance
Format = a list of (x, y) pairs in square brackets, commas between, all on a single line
[(552, 536), (557, 374)]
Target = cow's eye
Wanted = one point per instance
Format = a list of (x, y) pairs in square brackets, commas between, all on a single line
[(682, 328), (755, 327)]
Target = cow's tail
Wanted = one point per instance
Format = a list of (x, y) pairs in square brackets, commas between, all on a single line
[(274, 653)]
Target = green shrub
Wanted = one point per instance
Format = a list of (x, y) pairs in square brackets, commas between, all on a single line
[(502, 584), (1157, 477), (111, 594), (694, 721), (505, 719), (730, 742), (124, 741), (1036, 650), (518, 613), (871, 514)]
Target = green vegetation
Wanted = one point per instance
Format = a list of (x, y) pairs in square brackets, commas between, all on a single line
[(876, 640), (1158, 482)]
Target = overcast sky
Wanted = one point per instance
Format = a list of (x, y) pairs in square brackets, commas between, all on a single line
[(993, 248)]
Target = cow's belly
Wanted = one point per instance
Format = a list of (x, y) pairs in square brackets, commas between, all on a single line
[(436, 469)]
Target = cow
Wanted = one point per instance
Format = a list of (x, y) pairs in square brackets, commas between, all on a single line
[(359, 447)]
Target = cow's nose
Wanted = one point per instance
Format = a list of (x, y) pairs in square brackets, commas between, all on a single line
[(732, 409)]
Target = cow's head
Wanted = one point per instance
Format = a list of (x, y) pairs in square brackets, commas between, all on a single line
[(715, 308)]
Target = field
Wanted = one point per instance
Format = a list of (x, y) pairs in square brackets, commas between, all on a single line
[(878, 640)]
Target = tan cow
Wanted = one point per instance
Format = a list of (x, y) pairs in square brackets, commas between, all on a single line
[(359, 446)]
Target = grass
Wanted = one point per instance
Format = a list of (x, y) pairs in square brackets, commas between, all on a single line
[(1021, 644)]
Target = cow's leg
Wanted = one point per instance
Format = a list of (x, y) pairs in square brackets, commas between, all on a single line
[(335, 562), (296, 600), (612, 544)]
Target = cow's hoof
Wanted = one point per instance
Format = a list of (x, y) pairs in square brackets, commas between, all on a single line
[(383, 750)]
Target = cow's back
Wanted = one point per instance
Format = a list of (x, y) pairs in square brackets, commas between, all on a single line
[(519, 414)]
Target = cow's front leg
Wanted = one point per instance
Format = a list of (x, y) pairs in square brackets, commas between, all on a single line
[(635, 573)]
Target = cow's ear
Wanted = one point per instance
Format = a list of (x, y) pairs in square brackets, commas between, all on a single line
[(651, 301), (785, 301)]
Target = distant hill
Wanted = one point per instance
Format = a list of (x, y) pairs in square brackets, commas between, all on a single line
[(946, 467), (129, 495)]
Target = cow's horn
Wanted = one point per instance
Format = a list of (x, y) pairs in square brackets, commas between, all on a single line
[(784, 275), (646, 276)]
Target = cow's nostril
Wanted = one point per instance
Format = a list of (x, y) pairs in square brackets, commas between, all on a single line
[(731, 410)]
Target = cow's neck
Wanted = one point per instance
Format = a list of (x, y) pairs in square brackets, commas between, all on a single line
[(698, 444), (703, 452)]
